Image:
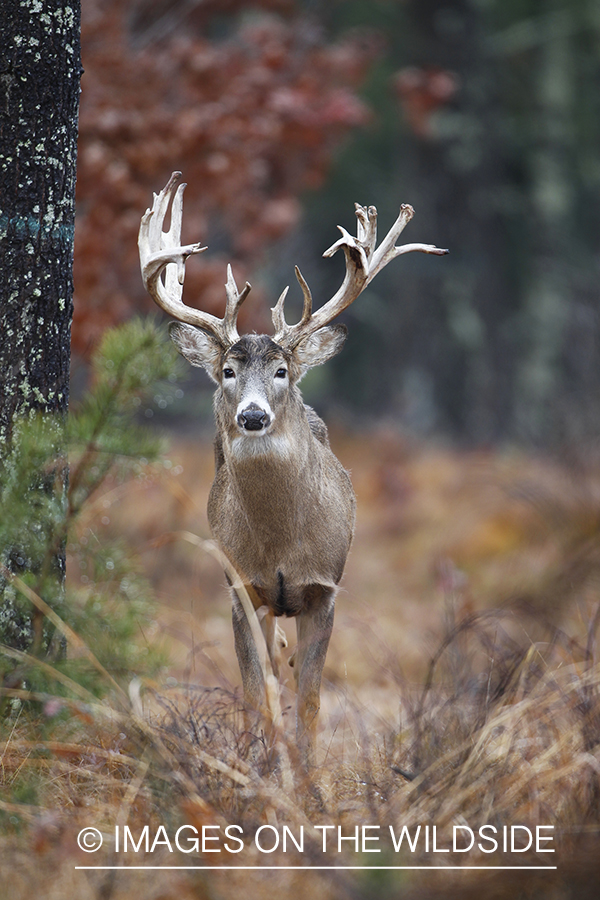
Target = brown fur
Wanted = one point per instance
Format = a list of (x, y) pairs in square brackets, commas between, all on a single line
[(281, 506)]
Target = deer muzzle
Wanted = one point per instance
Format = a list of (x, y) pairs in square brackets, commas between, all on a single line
[(253, 418)]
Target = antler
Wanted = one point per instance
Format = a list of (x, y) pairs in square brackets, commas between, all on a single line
[(161, 251), (363, 262)]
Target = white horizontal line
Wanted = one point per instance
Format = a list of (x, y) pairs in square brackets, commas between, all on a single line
[(329, 868)]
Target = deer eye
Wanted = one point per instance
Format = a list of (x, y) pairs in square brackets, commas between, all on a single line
[(281, 373), (228, 373)]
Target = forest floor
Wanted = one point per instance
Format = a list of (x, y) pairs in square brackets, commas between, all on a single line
[(461, 691)]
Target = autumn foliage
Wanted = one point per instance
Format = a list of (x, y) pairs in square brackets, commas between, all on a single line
[(422, 91), (252, 119)]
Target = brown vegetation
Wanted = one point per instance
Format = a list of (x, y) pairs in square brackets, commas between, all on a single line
[(461, 689)]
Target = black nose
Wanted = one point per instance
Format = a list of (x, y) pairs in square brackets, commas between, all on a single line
[(253, 418)]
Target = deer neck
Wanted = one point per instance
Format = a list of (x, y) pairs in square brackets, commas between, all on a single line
[(273, 476)]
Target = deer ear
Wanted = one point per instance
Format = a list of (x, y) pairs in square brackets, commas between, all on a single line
[(320, 346), (198, 347)]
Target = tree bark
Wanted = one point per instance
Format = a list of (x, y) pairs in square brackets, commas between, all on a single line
[(40, 71), (40, 68)]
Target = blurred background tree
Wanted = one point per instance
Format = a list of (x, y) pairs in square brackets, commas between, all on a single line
[(483, 114)]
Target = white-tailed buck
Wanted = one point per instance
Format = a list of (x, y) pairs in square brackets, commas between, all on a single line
[(281, 506)]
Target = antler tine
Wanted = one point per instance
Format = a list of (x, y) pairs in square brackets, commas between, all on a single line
[(174, 274), (160, 206), (388, 251), (307, 308), (160, 251), (363, 262), (278, 317), (367, 227), (282, 329), (234, 301)]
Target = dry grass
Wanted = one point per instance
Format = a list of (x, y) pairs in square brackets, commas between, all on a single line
[(461, 689)]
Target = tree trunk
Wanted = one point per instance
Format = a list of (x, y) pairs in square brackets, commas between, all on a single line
[(40, 69)]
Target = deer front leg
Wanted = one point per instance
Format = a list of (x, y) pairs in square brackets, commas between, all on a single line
[(250, 660), (314, 628), (253, 681), (246, 650)]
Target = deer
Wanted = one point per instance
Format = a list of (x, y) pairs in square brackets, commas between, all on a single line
[(281, 507)]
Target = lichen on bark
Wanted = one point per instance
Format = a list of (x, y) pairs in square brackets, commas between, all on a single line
[(40, 71)]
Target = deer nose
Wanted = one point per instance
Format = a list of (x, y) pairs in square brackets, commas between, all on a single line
[(253, 418)]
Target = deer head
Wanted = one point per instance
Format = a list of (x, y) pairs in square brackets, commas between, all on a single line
[(256, 376)]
